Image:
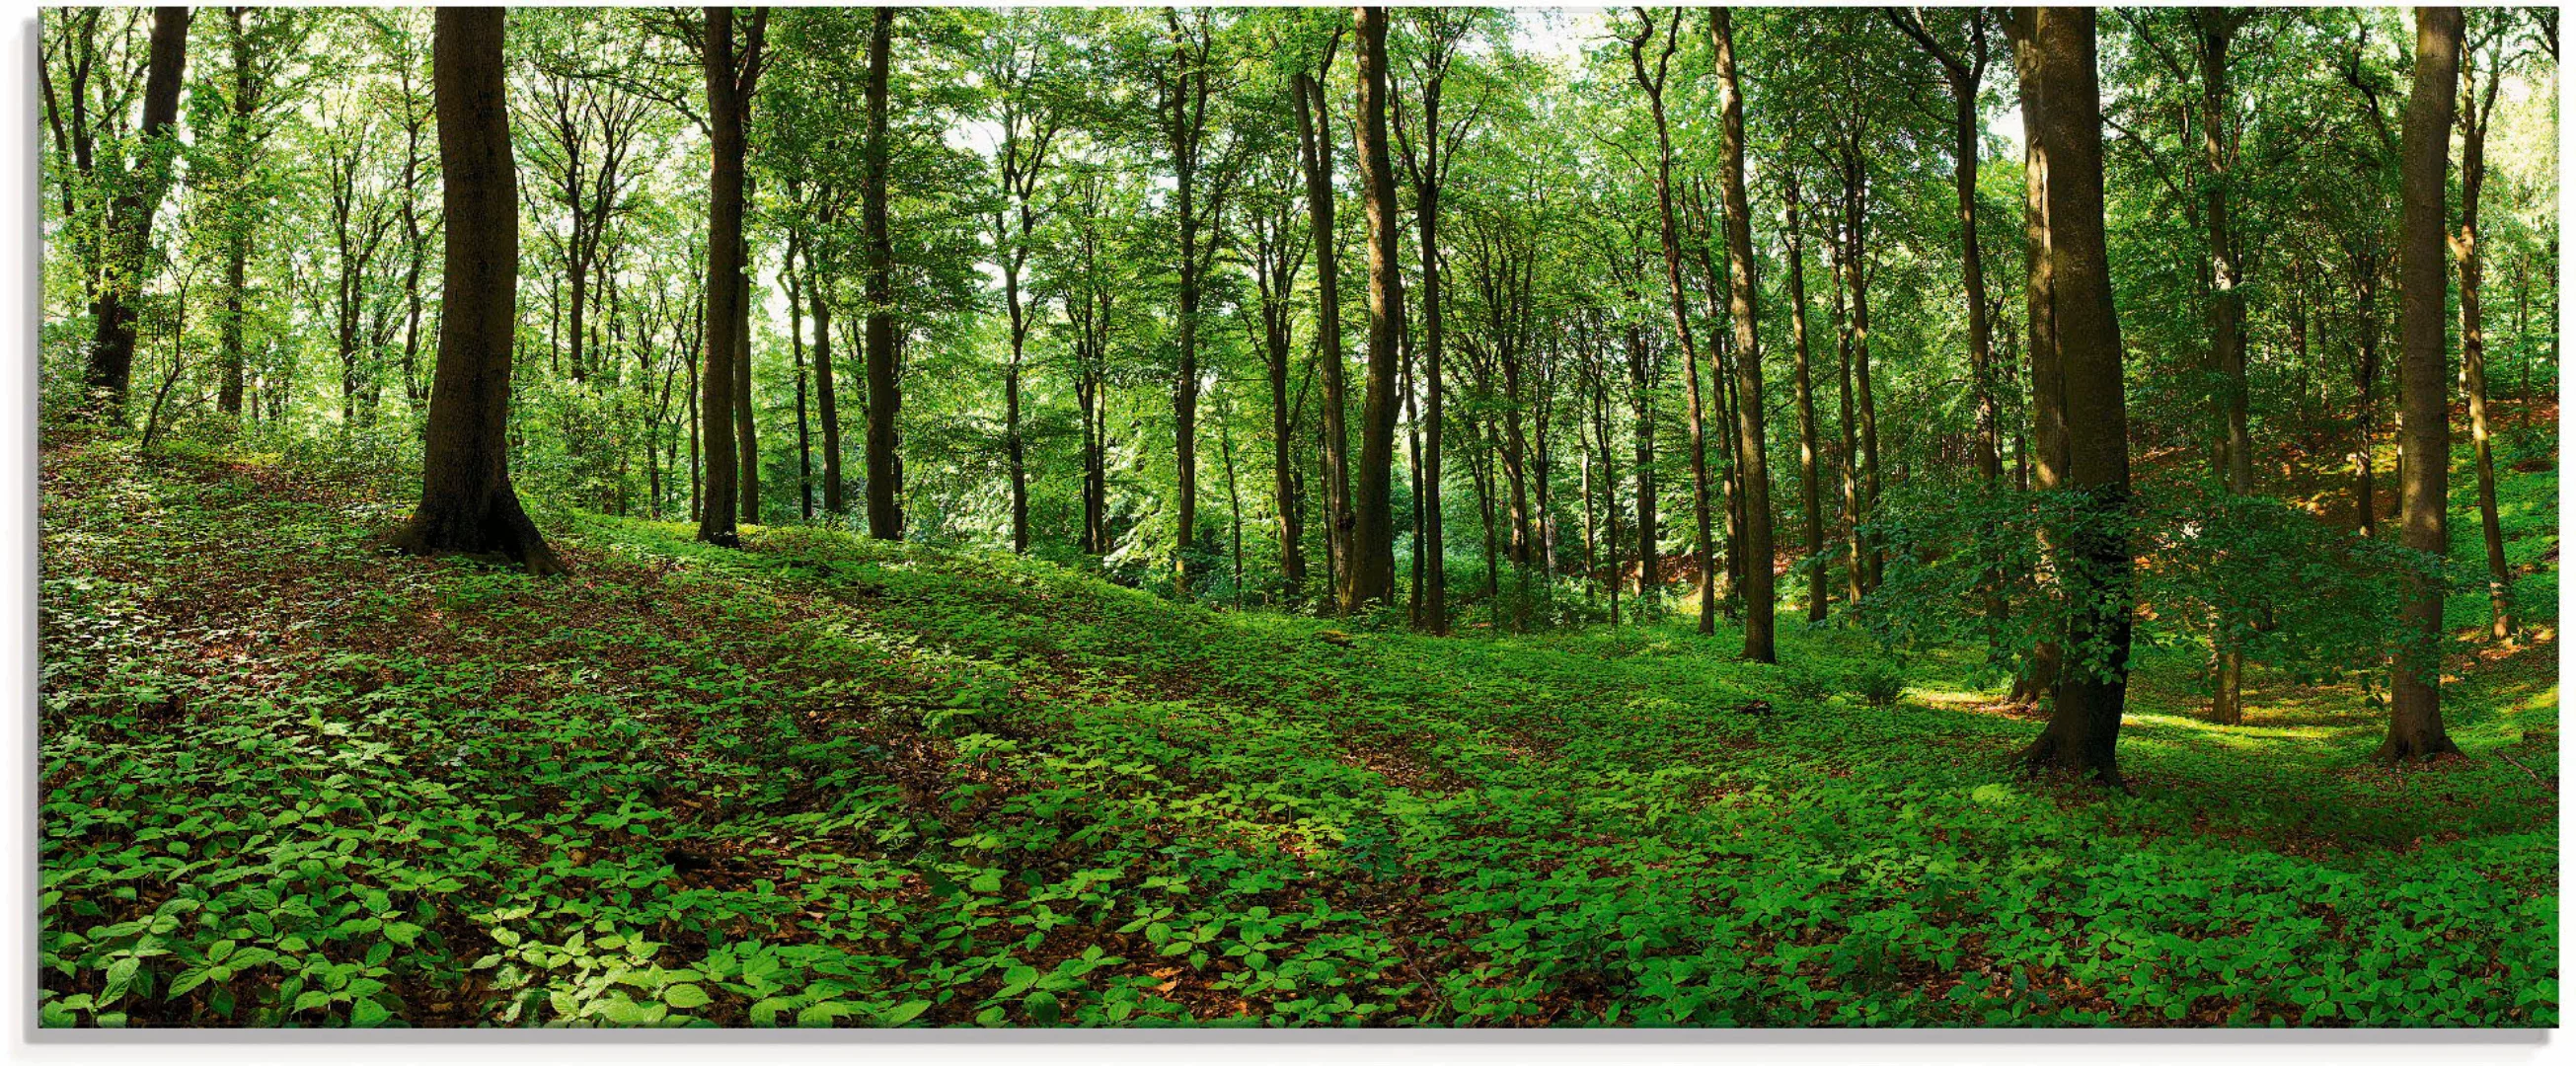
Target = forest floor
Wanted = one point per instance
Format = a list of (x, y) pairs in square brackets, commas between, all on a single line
[(288, 779)]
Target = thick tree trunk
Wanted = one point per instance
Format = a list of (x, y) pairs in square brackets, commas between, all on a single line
[(2084, 728), (728, 98), (885, 514), (1753, 471), (129, 238), (467, 505), (2048, 461), (2415, 685), (1372, 573)]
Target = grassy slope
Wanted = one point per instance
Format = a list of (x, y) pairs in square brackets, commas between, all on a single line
[(288, 780)]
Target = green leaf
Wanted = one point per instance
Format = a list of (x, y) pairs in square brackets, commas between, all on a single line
[(685, 997)]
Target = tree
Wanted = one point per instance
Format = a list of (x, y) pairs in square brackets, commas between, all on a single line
[(1427, 157), (2092, 685), (1653, 86), (1371, 577), (129, 224), (467, 505), (2423, 157), (1753, 472), (730, 81), (2482, 71), (1315, 155), (885, 509)]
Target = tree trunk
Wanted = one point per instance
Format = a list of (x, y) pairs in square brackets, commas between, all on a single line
[(796, 344), (467, 505), (746, 427), (1372, 574), (885, 515), (1314, 135), (2048, 461), (228, 397), (1641, 407), (1753, 471), (129, 238), (826, 405), (1811, 496), (1434, 581), (2415, 685), (1653, 85), (728, 99), (2465, 248), (2083, 729)]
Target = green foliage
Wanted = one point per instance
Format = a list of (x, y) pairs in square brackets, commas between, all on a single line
[(826, 781)]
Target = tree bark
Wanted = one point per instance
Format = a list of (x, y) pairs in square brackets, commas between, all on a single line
[(129, 238), (2415, 685), (2478, 92), (2048, 461), (1753, 471), (1811, 493), (467, 505), (2084, 728), (826, 406), (1314, 136), (729, 89), (1654, 88), (885, 514), (1371, 577)]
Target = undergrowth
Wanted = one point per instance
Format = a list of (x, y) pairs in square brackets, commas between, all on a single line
[(290, 780)]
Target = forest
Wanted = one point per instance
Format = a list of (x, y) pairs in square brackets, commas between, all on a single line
[(1293, 516)]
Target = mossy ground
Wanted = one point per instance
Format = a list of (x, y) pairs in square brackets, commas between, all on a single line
[(291, 780)]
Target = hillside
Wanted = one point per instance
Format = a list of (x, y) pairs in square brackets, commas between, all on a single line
[(288, 779)]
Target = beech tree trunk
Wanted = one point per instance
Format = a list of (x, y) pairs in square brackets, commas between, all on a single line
[(2478, 90), (1314, 135), (1810, 491), (2415, 685), (2048, 459), (1753, 471), (885, 514), (467, 506), (1653, 84), (1371, 577), (729, 89), (2084, 727), (129, 237)]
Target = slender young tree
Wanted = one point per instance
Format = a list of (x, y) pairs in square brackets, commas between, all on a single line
[(2092, 686), (1810, 489), (1315, 154), (2482, 71), (467, 505), (2423, 158), (1652, 82)]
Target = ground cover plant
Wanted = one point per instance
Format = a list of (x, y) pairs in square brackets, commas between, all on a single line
[(291, 780)]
